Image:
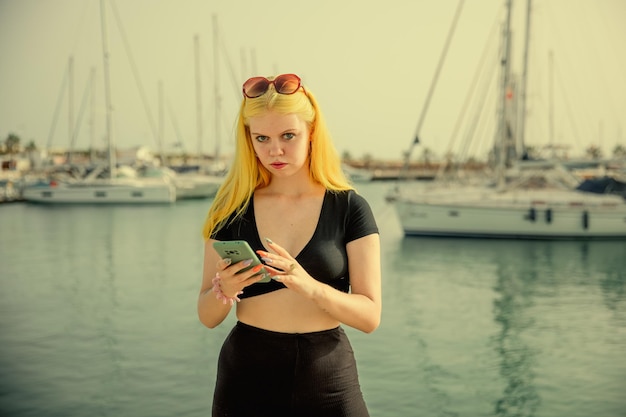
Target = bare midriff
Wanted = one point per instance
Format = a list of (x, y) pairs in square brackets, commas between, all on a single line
[(284, 311)]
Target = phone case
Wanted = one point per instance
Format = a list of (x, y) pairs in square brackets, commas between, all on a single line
[(240, 250)]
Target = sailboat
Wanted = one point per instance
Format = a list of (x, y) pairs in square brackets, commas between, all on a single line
[(204, 179), (539, 202), (189, 184), (103, 185)]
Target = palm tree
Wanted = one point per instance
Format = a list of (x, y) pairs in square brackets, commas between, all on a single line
[(594, 152), (619, 151), (12, 144), (367, 160), (31, 147), (426, 157)]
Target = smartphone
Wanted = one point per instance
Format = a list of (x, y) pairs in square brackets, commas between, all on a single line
[(240, 250)]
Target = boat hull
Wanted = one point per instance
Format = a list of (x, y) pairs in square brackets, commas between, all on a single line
[(196, 186), (514, 218), (101, 193)]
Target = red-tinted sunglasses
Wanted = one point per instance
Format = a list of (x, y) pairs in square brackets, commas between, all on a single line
[(284, 84)]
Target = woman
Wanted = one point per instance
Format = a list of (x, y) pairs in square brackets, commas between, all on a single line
[(286, 195)]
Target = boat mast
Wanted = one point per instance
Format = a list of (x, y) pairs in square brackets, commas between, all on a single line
[(92, 124), (196, 42), (107, 94), (521, 146), (161, 123), (502, 128), (551, 102), (431, 90), (70, 103), (216, 88)]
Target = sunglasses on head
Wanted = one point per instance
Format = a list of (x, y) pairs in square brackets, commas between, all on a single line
[(284, 84)]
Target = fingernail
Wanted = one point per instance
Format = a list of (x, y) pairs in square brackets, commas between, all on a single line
[(267, 260), (257, 268), (227, 261), (268, 240), (247, 262)]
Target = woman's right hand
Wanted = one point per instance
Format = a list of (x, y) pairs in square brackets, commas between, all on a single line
[(211, 308), (232, 280)]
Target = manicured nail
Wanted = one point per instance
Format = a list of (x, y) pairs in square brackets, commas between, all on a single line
[(267, 260), (268, 240), (227, 261), (247, 262), (257, 268)]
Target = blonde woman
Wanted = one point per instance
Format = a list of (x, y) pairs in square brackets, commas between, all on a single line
[(287, 196)]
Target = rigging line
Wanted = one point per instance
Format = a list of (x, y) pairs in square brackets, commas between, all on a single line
[(174, 122), (81, 110), (57, 108), (135, 72), (474, 83), (231, 69), (479, 117), (435, 79), (209, 73), (568, 108), (488, 86), (485, 123)]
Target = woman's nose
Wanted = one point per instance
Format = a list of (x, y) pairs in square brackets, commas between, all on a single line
[(275, 148)]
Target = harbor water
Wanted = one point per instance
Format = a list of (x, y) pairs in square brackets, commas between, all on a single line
[(98, 318)]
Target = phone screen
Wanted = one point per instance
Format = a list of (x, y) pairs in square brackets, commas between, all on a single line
[(237, 251)]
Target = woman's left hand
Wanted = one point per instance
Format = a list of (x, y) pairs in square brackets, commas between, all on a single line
[(282, 267)]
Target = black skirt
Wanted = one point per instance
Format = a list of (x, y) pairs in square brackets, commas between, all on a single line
[(264, 373)]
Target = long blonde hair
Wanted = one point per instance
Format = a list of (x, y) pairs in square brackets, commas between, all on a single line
[(246, 174)]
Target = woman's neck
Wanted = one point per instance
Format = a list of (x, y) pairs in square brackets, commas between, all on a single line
[(296, 185)]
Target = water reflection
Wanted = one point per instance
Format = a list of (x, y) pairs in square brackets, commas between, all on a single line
[(114, 383), (563, 278), (613, 283), (437, 289), (525, 322), (414, 376), (517, 277)]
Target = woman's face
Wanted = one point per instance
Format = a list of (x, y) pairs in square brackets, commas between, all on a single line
[(281, 142)]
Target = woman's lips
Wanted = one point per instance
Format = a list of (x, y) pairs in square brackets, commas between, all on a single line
[(278, 165)]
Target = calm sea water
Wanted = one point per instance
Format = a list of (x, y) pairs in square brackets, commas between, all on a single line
[(98, 318)]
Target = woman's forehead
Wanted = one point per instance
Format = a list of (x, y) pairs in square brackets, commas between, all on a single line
[(275, 121)]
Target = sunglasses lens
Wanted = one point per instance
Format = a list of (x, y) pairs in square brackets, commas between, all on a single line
[(255, 87), (287, 83), (284, 84)]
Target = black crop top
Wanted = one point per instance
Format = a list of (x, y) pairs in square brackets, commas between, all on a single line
[(345, 216)]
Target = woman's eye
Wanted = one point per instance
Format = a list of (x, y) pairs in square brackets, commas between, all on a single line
[(289, 136), (261, 138)]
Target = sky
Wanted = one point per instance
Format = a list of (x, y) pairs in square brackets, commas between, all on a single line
[(372, 66)]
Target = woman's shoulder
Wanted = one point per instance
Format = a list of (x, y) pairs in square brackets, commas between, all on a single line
[(359, 219), (349, 196)]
